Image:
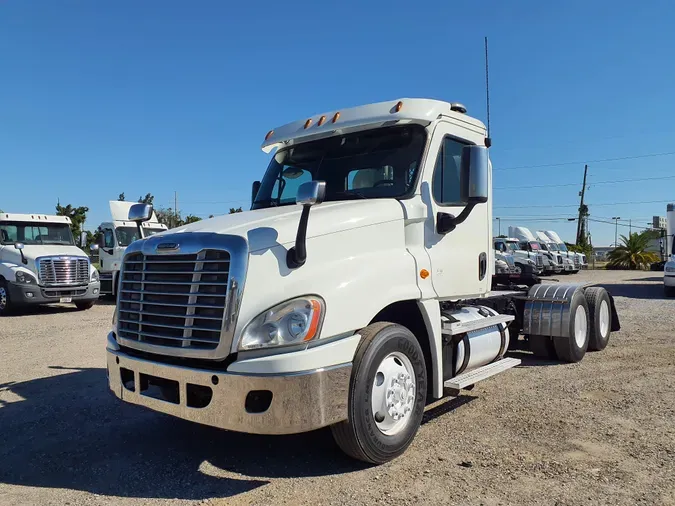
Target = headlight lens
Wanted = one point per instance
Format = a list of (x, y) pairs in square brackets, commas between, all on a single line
[(670, 268), (291, 322), (94, 275), (25, 278)]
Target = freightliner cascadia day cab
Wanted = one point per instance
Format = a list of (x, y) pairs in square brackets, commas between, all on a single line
[(115, 236), (355, 290), (528, 261), (552, 248), (579, 259), (529, 242), (669, 268), (40, 264)]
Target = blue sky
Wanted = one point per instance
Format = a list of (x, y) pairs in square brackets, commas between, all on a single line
[(98, 98)]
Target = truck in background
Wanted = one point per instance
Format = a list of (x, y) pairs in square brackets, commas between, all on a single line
[(669, 268), (336, 304), (40, 264), (528, 261), (115, 236), (528, 242), (553, 248), (579, 259)]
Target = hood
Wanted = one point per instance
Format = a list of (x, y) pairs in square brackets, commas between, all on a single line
[(12, 256), (521, 233), (265, 228)]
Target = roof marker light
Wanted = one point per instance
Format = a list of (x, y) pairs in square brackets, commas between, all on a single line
[(269, 134), (336, 117), (307, 123), (322, 119), (399, 106)]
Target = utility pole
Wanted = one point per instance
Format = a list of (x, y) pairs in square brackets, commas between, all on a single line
[(616, 230), (499, 222), (581, 206), (175, 209), (630, 226)]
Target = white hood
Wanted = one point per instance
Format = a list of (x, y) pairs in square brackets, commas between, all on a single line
[(554, 237), (264, 228), (11, 256)]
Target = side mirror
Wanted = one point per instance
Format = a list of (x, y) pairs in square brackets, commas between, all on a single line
[(310, 193), (140, 212), (474, 174), (19, 245), (254, 190), (93, 248)]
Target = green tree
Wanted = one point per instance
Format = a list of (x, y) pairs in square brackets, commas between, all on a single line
[(632, 253), (168, 217), (148, 199), (121, 197), (77, 217), (191, 219), (237, 210)]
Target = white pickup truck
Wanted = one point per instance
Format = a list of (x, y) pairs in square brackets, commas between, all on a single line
[(355, 290), (115, 236), (40, 264)]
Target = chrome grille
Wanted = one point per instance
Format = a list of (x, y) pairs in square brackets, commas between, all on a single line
[(539, 259), (63, 270), (576, 260), (174, 300)]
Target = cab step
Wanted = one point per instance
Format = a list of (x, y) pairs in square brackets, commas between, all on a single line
[(472, 377), (454, 328)]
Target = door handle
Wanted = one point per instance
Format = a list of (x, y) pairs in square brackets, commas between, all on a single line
[(482, 266)]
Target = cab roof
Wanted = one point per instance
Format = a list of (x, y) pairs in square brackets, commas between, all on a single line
[(402, 111), (39, 218)]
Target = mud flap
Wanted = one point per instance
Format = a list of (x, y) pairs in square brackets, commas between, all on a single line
[(616, 326)]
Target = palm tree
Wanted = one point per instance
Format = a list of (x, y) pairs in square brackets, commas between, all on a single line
[(632, 253)]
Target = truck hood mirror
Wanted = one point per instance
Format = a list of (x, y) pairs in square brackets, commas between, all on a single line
[(309, 194), (93, 248), (20, 246), (140, 212)]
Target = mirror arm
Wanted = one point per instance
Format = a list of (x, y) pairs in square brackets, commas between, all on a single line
[(448, 222), (23, 258), (297, 255)]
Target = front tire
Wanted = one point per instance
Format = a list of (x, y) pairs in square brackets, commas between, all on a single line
[(82, 306), (387, 395), (573, 348), (5, 301)]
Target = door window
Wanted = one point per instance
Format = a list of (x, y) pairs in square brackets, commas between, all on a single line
[(108, 238), (445, 183)]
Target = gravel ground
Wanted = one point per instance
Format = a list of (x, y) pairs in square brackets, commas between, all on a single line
[(598, 432)]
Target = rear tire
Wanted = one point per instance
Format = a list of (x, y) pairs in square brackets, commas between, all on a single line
[(388, 365), (542, 347), (6, 305), (669, 291), (573, 348), (82, 306), (600, 317)]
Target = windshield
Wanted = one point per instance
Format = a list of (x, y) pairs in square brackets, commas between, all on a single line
[(562, 247), (126, 235), (381, 163), (534, 246), (552, 246), (513, 245), (12, 232)]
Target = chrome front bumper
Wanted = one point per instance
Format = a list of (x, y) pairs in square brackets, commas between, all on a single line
[(300, 402)]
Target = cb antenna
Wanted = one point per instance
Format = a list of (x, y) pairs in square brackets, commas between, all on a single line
[(488, 140)]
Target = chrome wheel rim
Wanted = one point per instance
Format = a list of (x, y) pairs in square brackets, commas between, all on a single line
[(580, 326), (604, 318), (393, 393)]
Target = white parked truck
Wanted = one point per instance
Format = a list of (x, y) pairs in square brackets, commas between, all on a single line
[(115, 236), (669, 268), (568, 266), (40, 264), (579, 259), (528, 261), (355, 290), (528, 242)]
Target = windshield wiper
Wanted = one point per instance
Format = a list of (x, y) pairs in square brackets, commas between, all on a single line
[(352, 193)]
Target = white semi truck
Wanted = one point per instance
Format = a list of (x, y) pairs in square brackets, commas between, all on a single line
[(669, 268), (568, 265), (528, 242), (115, 236), (356, 289), (528, 261), (40, 264), (579, 259)]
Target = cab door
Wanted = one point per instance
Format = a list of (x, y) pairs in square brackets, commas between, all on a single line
[(461, 258)]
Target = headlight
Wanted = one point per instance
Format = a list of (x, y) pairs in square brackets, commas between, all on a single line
[(25, 278), (94, 276), (670, 268), (291, 322), (531, 262)]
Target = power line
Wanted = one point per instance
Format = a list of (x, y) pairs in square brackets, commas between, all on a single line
[(590, 183), (590, 205), (600, 160)]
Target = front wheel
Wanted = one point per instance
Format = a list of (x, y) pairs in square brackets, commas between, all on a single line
[(5, 302), (387, 395), (84, 305)]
